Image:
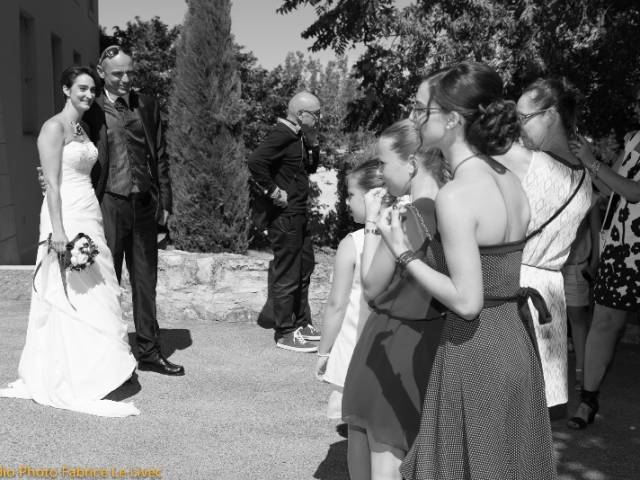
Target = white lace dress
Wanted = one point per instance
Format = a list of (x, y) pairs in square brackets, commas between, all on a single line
[(548, 184), (74, 358)]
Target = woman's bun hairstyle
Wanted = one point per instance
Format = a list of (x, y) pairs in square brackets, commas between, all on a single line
[(474, 90)]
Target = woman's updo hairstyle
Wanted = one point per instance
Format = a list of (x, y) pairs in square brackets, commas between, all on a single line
[(406, 141), (475, 91), (558, 93), (367, 174), (68, 77)]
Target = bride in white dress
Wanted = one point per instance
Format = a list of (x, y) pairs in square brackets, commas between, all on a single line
[(73, 358)]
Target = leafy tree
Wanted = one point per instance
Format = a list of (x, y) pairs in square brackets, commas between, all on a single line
[(206, 111), (594, 43)]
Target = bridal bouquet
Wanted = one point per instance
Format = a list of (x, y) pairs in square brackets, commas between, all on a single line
[(78, 255)]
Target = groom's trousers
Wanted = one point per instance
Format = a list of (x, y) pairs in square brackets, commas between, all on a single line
[(131, 233), (290, 272)]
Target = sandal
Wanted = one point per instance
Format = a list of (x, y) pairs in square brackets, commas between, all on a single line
[(586, 412)]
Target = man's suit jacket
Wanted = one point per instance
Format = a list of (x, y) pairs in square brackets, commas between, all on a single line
[(149, 113)]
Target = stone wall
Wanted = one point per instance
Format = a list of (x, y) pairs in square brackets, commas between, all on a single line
[(219, 287), (222, 287)]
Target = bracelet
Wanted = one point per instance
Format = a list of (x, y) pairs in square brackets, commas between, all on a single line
[(405, 258), (372, 231), (323, 355), (370, 221), (595, 166)]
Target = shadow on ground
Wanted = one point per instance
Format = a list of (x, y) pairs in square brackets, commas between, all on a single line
[(334, 466), (171, 339)]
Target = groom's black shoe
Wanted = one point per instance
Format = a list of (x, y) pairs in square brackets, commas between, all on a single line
[(157, 363)]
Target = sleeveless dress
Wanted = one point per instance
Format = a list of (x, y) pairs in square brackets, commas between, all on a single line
[(73, 358), (617, 283), (548, 184), (354, 319), (387, 377), (484, 415)]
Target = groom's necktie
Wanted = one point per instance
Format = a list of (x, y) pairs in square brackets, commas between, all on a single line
[(120, 105)]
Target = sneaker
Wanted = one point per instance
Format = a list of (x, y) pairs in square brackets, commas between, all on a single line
[(309, 332), (295, 342)]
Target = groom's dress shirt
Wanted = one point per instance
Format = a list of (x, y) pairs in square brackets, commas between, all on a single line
[(128, 150)]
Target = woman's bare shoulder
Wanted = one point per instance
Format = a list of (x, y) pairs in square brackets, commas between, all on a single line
[(53, 127)]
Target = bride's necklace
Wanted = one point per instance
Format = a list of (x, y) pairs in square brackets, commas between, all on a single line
[(76, 129), (453, 174)]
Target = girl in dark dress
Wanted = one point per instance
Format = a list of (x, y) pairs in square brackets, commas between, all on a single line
[(484, 414), (384, 387)]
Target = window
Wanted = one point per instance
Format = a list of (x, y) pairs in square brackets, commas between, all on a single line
[(56, 62), (28, 73)]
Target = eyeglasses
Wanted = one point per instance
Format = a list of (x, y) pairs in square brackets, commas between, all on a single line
[(420, 108), (110, 52), (317, 115), (525, 117)]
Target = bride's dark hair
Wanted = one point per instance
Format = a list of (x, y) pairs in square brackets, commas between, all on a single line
[(68, 77), (475, 91)]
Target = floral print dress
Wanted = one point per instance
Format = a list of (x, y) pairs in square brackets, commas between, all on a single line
[(617, 283)]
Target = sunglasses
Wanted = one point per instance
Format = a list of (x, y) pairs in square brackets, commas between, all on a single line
[(110, 52), (316, 114)]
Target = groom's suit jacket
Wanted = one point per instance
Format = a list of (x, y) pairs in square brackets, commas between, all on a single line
[(148, 111)]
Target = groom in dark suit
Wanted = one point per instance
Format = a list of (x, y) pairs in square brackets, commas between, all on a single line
[(131, 181)]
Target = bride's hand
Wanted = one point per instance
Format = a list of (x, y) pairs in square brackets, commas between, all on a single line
[(59, 241), (392, 230)]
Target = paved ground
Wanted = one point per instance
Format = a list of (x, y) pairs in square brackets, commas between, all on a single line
[(246, 410)]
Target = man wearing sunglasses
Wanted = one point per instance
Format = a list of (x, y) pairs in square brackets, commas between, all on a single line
[(131, 181), (280, 166)]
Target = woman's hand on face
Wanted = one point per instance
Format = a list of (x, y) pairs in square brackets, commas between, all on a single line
[(59, 241), (390, 224), (373, 202), (582, 150)]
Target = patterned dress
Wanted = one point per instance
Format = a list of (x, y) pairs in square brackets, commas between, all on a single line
[(617, 282), (484, 416), (387, 377), (548, 184)]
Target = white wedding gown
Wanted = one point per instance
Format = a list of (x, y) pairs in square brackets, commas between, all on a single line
[(73, 358)]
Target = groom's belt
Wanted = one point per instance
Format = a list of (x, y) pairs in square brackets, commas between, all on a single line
[(135, 196)]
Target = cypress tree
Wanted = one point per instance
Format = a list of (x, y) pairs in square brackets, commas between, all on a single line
[(209, 172)]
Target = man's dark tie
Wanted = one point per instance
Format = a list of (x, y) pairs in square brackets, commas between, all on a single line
[(120, 105)]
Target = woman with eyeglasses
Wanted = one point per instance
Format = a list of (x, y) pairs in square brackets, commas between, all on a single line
[(616, 288), (386, 379), (560, 197), (484, 414)]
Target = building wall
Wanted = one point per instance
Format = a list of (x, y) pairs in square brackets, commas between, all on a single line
[(38, 39)]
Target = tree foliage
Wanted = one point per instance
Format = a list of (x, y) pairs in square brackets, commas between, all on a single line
[(594, 43), (205, 135)]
